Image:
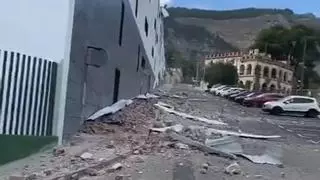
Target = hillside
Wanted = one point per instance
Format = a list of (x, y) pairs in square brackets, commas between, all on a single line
[(195, 32)]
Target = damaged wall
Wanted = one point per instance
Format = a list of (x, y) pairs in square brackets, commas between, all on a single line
[(108, 59)]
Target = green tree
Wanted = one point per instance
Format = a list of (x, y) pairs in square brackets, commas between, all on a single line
[(283, 43), (221, 73), (174, 59)]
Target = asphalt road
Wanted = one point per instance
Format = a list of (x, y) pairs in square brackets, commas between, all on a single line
[(299, 142)]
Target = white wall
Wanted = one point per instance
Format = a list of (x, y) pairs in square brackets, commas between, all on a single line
[(150, 9), (34, 27)]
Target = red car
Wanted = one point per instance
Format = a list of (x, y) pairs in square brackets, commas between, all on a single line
[(259, 100)]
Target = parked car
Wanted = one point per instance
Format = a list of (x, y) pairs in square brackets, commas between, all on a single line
[(219, 91), (241, 93), (258, 101), (231, 90), (234, 93), (293, 104), (214, 89), (240, 99)]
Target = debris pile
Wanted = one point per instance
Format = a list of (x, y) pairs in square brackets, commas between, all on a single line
[(225, 143), (136, 117)]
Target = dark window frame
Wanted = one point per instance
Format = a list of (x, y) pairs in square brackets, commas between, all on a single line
[(121, 23), (146, 26), (138, 59), (143, 63), (137, 8)]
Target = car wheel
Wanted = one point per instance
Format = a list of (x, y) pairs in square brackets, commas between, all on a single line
[(276, 110), (312, 113)]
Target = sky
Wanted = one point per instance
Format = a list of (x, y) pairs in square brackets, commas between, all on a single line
[(298, 6)]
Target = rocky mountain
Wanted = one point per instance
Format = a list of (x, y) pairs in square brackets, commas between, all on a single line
[(195, 32)]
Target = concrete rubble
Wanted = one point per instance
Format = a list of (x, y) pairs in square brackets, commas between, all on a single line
[(111, 109), (86, 156), (140, 131), (233, 169), (188, 116)]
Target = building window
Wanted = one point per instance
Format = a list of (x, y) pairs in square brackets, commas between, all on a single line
[(138, 59), (274, 73), (146, 26), (249, 69), (266, 72), (257, 70), (152, 52), (241, 70), (137, 8), (285, 76), (96, 57), (280, 75), (121, 24), (157, 38), (143, 63)]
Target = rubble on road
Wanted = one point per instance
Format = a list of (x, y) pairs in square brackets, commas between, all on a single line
[(58, 151), (137, 117), (111, 109), (122, 177), (188, 116), (181, 146), (233, 169), (200, 146), (266, 158), (177, 128), (86, 156), (244, 135), (234, 146), (116, 166), (147, 96), (198, 100)]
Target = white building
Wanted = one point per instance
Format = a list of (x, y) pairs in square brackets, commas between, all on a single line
[(257, 70)]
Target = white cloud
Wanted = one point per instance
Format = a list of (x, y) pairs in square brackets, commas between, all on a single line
[(162, 2)]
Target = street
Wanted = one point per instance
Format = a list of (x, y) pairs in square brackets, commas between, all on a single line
[(299, 143), (266, 147)]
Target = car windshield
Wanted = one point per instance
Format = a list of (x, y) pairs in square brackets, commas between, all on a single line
[(251, 94), (284, 99)]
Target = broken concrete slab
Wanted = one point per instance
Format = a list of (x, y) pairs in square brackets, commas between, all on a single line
[(111, 109), (86, 156), (165, 105), (177, 128), (232, 145), (147, 96), (116, 166), (262, 159), (226, 144), (244, 135), (181, 146), (200, 146), (188, 116), (233, 169)]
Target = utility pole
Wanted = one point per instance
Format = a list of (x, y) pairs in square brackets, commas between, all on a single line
[(303, 62)]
